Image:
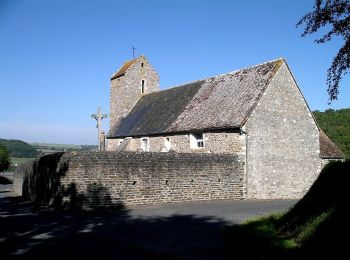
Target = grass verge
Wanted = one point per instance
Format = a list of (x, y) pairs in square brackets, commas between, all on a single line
[(316, 227)]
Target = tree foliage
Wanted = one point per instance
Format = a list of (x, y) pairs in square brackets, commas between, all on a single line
[(336, 124), (18, 148), (333, 14), (4, 158)]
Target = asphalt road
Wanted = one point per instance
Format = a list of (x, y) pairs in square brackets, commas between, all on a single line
[(232, 212), (170, 231)]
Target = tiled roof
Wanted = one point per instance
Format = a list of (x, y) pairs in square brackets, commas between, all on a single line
[(123, 69), (226, 101), (220, 102), (328, 150), (156, 112)]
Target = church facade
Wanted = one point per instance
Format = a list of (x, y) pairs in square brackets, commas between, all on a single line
[(257, 113)]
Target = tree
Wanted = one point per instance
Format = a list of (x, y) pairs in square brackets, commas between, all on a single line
[(4, 158), (335, 123), (18, 148), (333, 14)]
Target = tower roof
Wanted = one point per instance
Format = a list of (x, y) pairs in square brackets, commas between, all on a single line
[(123, 69)]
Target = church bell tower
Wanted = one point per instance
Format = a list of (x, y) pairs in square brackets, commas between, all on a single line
[(134, 79)]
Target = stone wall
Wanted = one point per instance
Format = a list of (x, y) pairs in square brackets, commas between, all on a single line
[(130, 178), (283, 151), (215, 142), (21, 172)]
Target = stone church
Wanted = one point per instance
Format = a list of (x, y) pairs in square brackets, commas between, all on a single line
[(257, 113)]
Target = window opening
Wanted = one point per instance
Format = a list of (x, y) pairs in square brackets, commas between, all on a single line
[(167, 143), (142, 86), (196, 140), (145, 144), (199, 139)]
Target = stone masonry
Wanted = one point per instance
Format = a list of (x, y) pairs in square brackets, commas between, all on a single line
[(217, 142), (130, 178), (125, 90), (283, 151)]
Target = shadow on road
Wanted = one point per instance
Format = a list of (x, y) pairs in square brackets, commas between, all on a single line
[(104, 232)]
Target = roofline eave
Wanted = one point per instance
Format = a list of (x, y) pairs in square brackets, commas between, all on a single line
[(332, 158), (213, 129), (119, 76)]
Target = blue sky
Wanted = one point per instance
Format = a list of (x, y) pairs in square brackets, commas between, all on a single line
[(56, 57)]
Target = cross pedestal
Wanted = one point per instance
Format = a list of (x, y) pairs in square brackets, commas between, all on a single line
[(99, 116)]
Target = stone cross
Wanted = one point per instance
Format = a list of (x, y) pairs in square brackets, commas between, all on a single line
[(99, 116)]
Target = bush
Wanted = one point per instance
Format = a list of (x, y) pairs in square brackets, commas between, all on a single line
[(4, 158)]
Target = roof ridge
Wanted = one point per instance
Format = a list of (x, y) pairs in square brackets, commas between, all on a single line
[(171, 88), (248, 67), (224, 74)]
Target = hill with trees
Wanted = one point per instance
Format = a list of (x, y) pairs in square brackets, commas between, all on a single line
[(336, 124), (18, 148)]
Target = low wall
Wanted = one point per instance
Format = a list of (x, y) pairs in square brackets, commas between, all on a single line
[(100, 178)]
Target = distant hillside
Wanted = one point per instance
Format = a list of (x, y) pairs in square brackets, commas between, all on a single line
[(336, 124), (64, 147), (48, 148), (18, 148)]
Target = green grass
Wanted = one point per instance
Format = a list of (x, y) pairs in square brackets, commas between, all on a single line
[(313, 228), (305, 232), (21, 160), (258, 239), (49, 151), (269, 228)]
